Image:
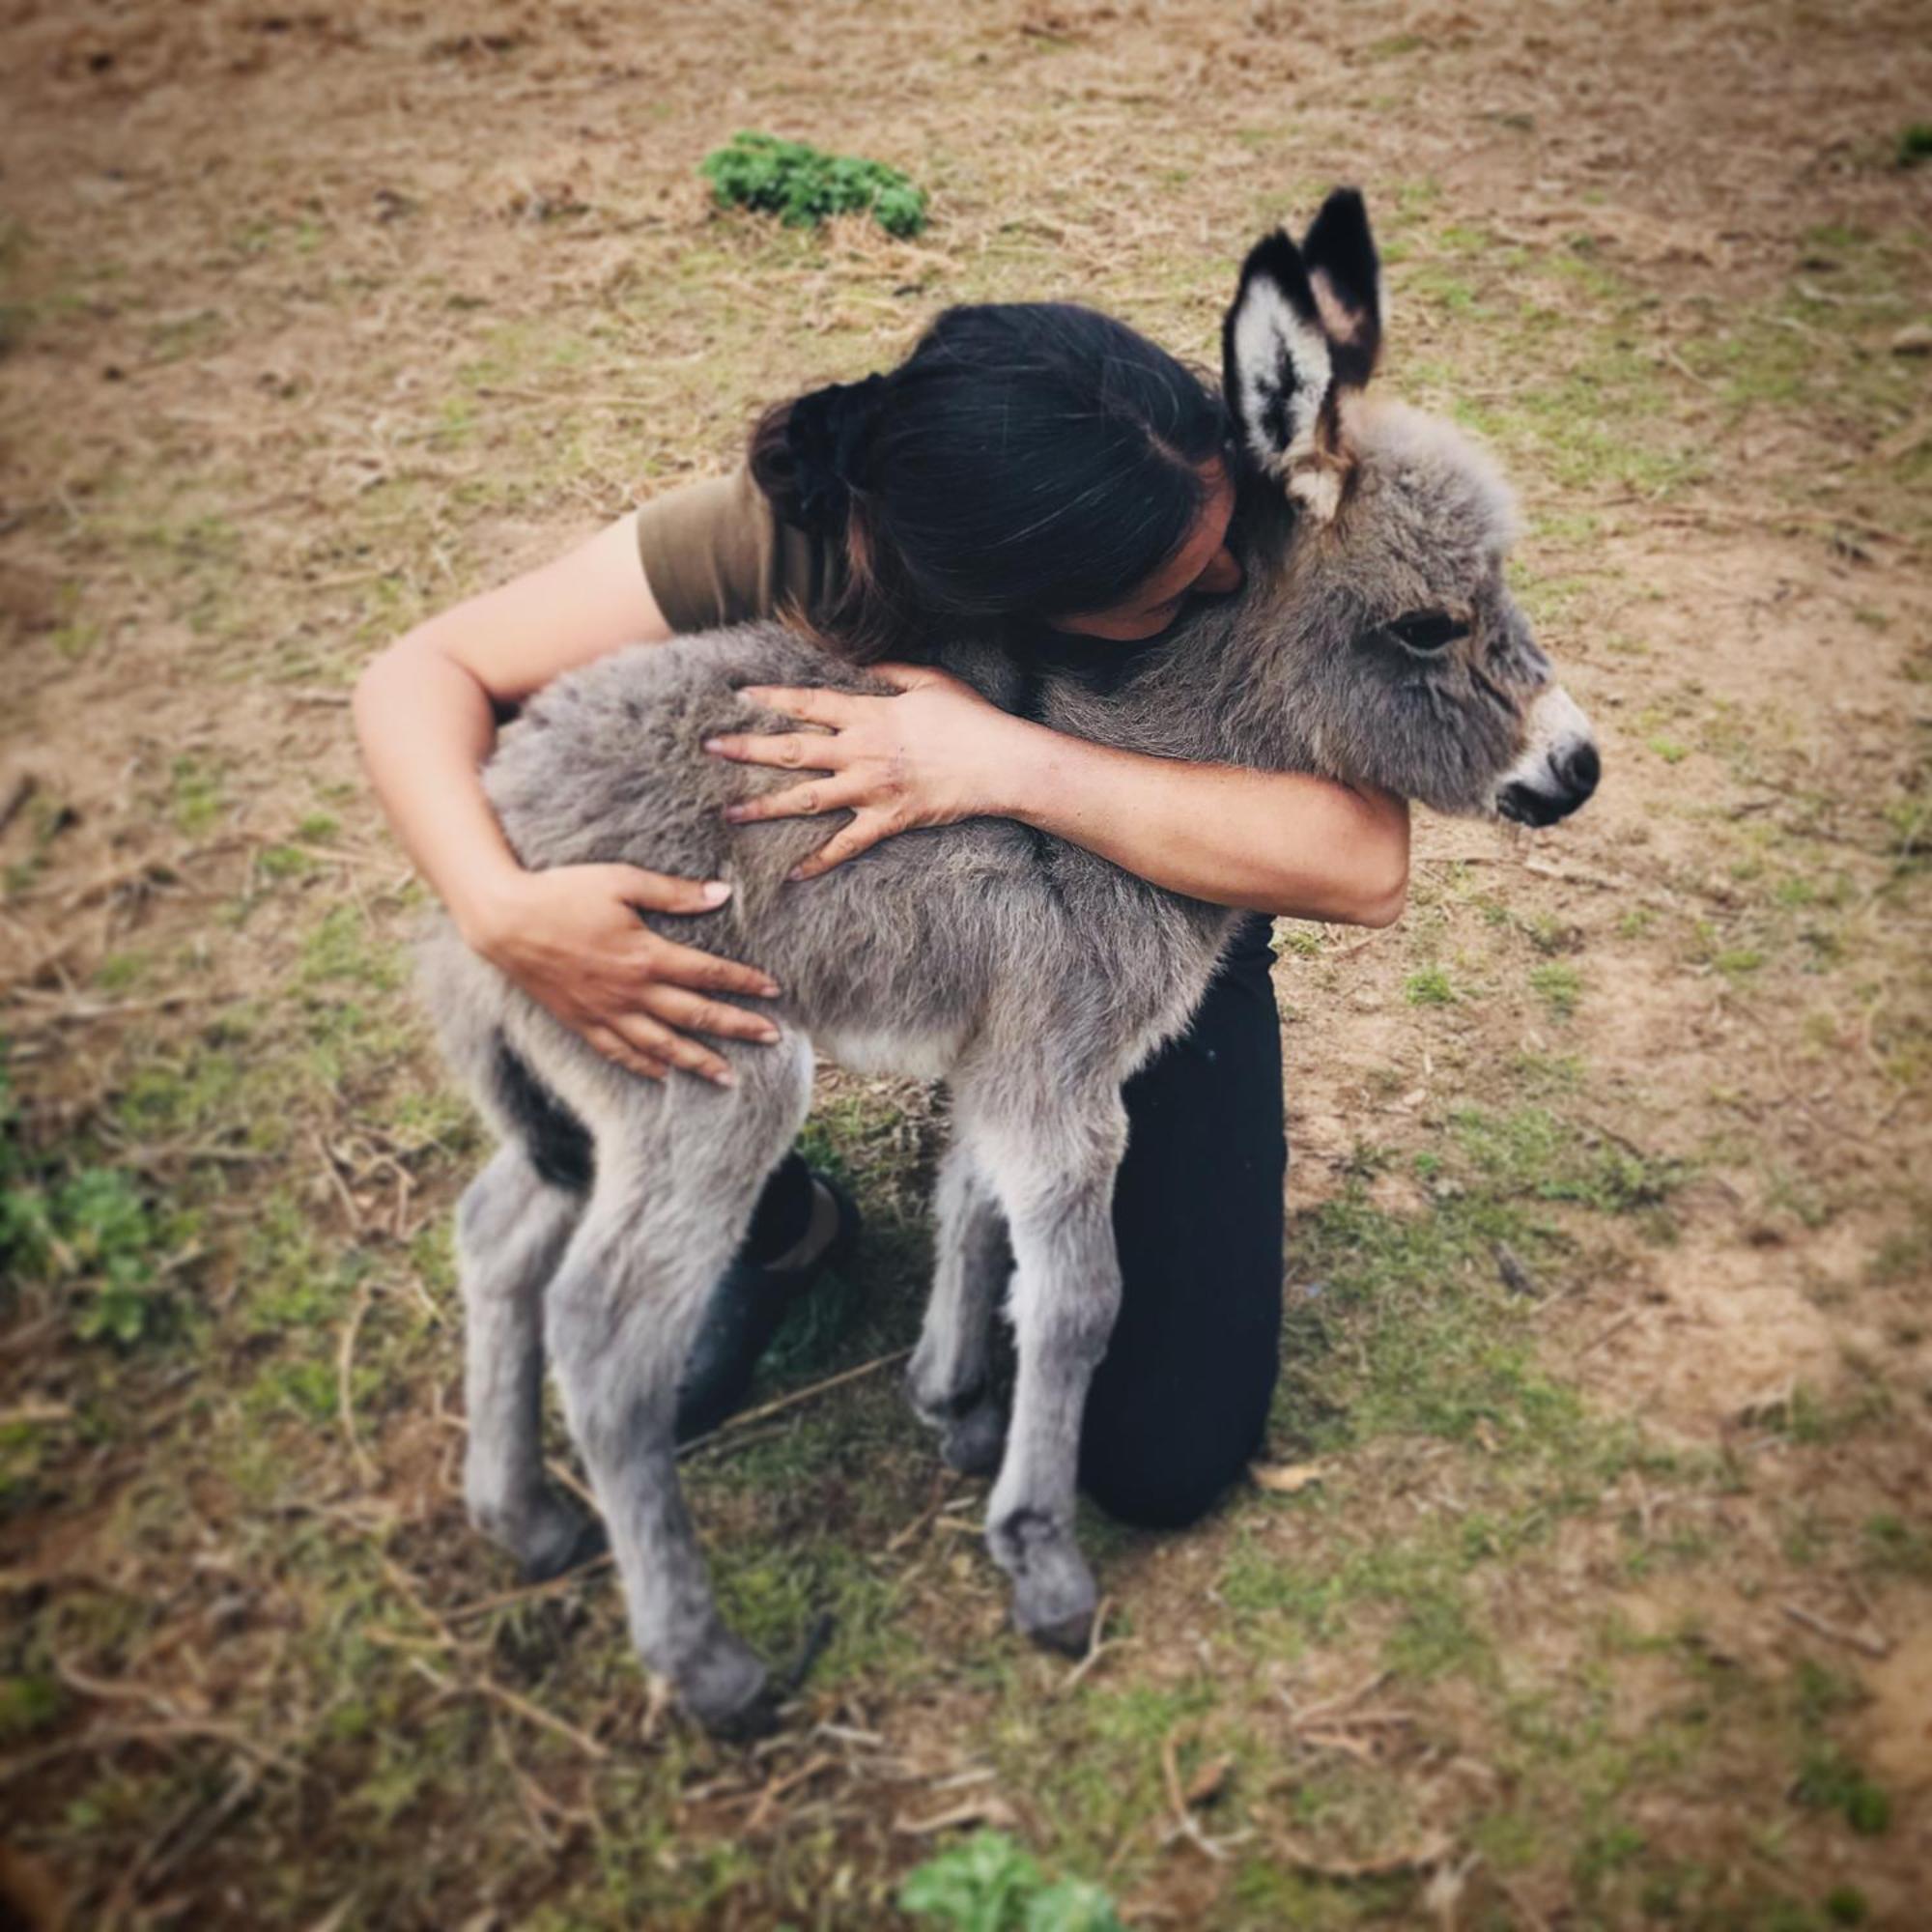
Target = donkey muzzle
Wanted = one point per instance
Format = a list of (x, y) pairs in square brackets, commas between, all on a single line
[(1559, 769)]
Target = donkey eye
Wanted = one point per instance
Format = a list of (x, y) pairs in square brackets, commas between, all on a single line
[(1429, 631)]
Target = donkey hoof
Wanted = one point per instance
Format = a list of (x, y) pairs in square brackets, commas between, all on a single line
[(729, 1692), (580, 1540), (546, 1536), (1071, 1637), (1055, 1601), (974, 1443)]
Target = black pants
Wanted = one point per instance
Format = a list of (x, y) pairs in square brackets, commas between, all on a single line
[(1180, 1398)]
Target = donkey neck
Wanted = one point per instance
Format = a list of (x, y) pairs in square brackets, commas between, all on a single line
[(1236, 682), (1237, 686)]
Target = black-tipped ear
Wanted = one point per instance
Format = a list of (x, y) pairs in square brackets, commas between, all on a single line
[(1347, 276), (1275, 366)]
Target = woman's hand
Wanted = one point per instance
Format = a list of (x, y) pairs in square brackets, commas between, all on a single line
[(572, 941), (930, 756)]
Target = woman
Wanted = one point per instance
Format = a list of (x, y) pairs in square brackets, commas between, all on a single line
[(1043, 470)]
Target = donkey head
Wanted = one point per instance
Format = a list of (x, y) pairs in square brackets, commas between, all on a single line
[(1420, 673)]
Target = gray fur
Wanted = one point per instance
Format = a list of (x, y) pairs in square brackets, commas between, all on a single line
[(1032, 974)]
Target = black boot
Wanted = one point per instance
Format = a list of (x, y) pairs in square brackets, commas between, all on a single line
[(741, 1317)]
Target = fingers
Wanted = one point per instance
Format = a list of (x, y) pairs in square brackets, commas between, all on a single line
[(637, 1042), (694, 1014), (614, 1046), (686, 966), (658, 892), (642, 1046), (789, 750), (861, 835), (809, 702), (645, 1045), (661, 1042), (806, 800)]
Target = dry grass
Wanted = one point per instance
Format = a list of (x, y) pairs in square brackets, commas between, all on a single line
[(1604, 1596)]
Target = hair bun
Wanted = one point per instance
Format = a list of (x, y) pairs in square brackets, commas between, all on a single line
[(826, 435)]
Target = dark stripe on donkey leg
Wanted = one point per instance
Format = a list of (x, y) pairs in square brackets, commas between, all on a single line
[(556, 1140)]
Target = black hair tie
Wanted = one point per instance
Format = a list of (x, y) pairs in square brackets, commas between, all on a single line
[(826, 435)]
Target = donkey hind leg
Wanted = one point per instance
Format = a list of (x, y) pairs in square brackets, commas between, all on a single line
[(511, 1228), (679, 1175), (948, 1378), (1053, 1163)]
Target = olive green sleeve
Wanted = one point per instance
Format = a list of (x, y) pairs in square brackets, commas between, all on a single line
[(714, 552)]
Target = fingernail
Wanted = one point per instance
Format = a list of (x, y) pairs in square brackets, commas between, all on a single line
[(771, 1035), (796, 875), (727, 1078), (714, 743), (772, 989), (734, 813), (716, 892)]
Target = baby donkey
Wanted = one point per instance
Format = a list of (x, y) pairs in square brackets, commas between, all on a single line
[(1374, 641)]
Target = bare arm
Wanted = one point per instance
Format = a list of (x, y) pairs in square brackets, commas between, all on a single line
[(425, 715), (1278, 842)]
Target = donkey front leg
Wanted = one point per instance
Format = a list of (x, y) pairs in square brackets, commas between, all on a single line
[(1055, 1172), (948, 1378), (511, 1226)]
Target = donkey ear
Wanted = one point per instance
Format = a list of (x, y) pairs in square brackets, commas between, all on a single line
[(1347, 276), (1276, 371)]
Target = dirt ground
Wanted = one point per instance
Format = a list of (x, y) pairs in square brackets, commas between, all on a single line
[(1589, 1580)]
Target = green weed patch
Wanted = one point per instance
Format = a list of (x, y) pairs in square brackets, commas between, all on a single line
[(86, 1228), (989, 1884), (804, 186)]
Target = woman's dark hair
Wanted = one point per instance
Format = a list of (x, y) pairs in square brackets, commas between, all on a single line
[(1033, 459)]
